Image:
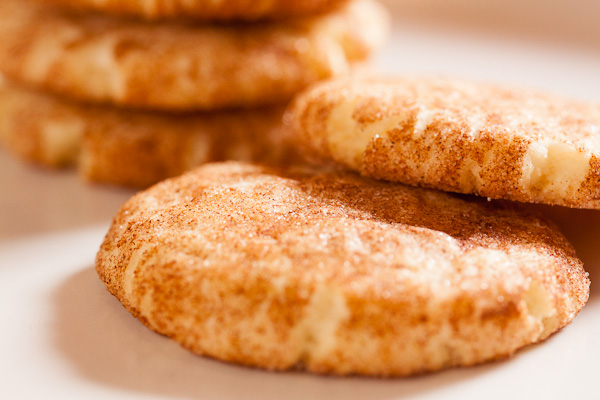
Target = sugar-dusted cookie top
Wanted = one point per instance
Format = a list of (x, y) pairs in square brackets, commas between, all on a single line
[(458, 136), (334, 273)]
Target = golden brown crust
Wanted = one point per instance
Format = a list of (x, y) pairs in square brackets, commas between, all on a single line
[(335, 273), (178, 65), (135, 148), (457, 136), (224, 10)]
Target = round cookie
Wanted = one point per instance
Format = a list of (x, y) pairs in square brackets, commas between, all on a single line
[(182, 65), (456, 136), (204, 9), (334, 273), (135, 148)]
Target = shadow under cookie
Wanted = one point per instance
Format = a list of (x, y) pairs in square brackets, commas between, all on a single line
[(107, 346)]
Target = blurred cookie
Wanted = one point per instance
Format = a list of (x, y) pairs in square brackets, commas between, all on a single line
[(182, 65), (204, 9), (457, 136), (334, 273), (135, 148)]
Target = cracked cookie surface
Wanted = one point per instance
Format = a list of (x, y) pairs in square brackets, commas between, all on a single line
[(335, 273), (456, 135)]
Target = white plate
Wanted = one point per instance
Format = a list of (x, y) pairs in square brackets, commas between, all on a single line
[(63, 336)]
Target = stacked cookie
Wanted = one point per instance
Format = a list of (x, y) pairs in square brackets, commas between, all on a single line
[(322, 269), (457, 136), (133, 92)]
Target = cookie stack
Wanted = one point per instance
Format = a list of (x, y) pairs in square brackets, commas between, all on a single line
[(329, 271), (134, 91)]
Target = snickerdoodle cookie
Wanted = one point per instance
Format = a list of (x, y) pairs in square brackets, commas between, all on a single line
[(334, 273), (178, 65), (458, 136), (135, 148), (204, 9)]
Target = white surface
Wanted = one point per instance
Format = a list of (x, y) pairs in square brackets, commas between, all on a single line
[(63, 336)]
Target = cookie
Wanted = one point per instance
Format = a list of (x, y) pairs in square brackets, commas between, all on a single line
[(204, 9), (334, 273), (456, 135), (135, 148), (182, 66)]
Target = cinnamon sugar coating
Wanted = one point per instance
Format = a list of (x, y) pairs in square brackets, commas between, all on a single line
[(179, 65), (334, 273), (135, 148), (204, 9), (458, 136)]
